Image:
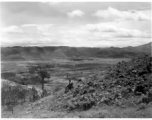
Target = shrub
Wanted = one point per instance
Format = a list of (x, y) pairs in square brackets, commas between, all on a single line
[(12, 95)]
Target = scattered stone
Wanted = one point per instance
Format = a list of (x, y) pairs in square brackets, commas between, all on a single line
[(122, 84)]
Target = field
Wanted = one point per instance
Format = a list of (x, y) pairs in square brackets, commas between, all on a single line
[(59, 69)]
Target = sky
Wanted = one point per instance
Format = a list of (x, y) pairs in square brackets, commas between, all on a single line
[(76, 24)]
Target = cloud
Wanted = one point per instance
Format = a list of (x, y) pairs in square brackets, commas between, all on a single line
[(12, 29), (54, 3), (112, 13), (51, 3), (90, 35), (37, 27), (115, 31), (101, 27), (75, 13)]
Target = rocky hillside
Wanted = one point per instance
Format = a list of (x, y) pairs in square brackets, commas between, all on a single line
[(126, 84), (48, 53)]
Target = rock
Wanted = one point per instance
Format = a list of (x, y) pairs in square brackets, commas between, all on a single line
[(117, 83)]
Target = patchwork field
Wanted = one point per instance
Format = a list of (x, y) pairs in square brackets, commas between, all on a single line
[(58, 68)]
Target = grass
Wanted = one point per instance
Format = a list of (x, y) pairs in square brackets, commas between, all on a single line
[(96, 112), (62, 67), (113, 112), (11, 65)]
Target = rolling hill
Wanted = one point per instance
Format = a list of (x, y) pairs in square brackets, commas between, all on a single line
[(64, 52)]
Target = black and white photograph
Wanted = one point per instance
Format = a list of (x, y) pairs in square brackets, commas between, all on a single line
[(76, 59)]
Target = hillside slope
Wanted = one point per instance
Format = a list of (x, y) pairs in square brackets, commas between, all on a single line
[(126, 83), (47, 53)]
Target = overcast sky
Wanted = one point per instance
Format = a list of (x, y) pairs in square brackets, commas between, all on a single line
[(78, 24)]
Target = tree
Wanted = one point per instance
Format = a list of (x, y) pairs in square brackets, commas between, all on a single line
[(41, 71), (43, 74)]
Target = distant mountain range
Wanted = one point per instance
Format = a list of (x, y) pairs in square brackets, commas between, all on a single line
[(47, 53)]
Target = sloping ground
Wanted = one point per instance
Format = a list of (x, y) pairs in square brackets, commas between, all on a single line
[(7, 82), (26, 87), (39, 109), (127, 84)]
